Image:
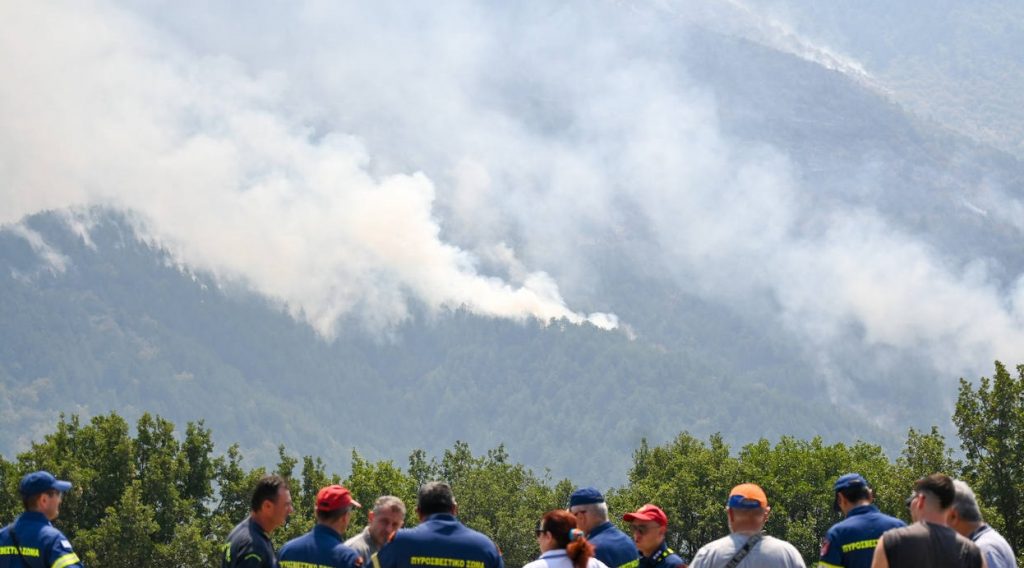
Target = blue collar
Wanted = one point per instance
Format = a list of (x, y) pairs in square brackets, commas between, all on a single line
[(259, 527), (659, 553), (33, 517), (447, 517), (979, 531), (861, 509), (326, 530), (600, 529)]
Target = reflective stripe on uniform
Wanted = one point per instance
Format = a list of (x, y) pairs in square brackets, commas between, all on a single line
[(12, 551), (296, 564), (860, 545), (631, 564), (823, 564), (66, 560)]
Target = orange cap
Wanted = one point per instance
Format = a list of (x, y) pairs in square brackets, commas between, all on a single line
[(747, 496)]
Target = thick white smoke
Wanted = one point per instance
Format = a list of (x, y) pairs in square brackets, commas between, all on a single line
[(314, 149), (103, 109)]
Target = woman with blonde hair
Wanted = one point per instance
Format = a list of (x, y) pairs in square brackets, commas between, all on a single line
[(562, 545)]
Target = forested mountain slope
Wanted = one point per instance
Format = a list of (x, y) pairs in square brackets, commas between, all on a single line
[(787, 249)]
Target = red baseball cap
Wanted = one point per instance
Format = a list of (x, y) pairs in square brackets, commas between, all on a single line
[(648, 512), (334, 497)]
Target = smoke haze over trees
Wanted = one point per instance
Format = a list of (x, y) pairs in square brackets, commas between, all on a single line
[(222, 215)]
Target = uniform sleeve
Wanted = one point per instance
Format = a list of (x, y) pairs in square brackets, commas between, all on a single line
[(386, 557), (249, 557), (831, 551), (61, 555), (345, 556)]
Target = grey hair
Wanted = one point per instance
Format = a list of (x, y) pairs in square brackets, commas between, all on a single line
[(965, 503), (389, 503), (600, 510)]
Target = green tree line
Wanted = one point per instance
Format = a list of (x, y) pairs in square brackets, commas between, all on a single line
[(162, 497)]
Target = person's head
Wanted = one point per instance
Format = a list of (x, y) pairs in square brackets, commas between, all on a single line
[(589, 508), (334, 506), (387, 516), (932, 496), (964, 516), (558, 530), (747, 509), (43, 493), (851, 490), (649, 525), (435, 497), (271, 502)]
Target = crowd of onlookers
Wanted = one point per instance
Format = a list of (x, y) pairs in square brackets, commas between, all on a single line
[(948, 531)]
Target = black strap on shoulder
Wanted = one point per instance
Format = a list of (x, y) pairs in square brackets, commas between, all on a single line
[(17, 545), (742, 553)]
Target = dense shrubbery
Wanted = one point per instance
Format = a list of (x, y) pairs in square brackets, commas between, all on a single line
[(163, 498)]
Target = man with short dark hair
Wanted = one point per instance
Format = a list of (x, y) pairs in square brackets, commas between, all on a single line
[(322, 546), (31, 540), (440, 539), (611, 545), (965, 518), (249, 543), (850, 543), (928, 542), (748, 510), (650, 524), (387, 516)]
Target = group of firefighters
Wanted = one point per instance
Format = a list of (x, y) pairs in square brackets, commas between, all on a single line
[(948, 530)]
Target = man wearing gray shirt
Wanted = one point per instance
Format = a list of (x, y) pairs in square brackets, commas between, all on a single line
[(748, 511), (387, 516), (965, 518)]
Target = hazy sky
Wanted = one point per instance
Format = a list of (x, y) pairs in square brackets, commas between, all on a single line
[(346, 158)]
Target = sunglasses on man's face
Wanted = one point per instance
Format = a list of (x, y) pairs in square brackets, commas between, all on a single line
[(910, 500)]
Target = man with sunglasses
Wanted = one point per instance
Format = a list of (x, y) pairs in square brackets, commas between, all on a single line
[(649, 525), (31, 540), (851, 542), (928, 542), (611, 545)]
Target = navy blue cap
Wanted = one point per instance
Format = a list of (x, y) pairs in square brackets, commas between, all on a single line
[(850, 480), (585, 496), (40, 481)]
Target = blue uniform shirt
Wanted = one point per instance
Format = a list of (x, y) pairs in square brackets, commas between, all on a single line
[(41, 544), (663, 557), (249, 547), (319, 548), (613, 547), (439, 541), (851, 542)]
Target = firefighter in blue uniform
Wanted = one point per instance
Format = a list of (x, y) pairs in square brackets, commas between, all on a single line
[(851, 542), (249, 544), (31, 540), (440, 540), (649, 525), (611, 545), (322, 547)]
